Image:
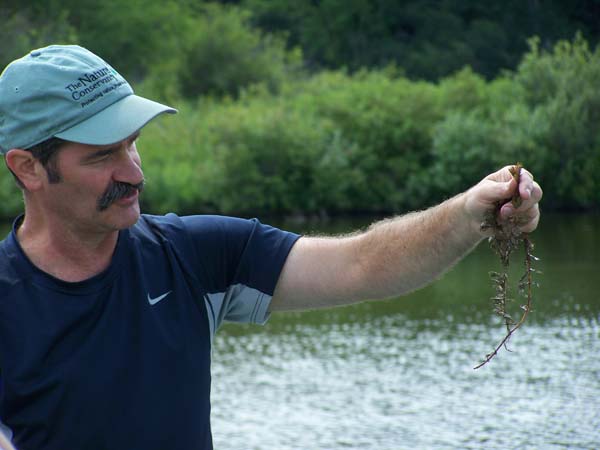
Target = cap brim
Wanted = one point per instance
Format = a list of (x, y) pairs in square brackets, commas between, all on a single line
[(116, 122)]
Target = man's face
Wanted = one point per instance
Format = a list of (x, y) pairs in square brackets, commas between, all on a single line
[(95, 191)]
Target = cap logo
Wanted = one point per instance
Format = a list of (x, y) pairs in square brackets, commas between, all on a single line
[(91, 86)]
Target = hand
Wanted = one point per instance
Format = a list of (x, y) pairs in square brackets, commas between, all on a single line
[(500, 187)]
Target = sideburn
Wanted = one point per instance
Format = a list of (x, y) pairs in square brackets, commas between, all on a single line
[(52, 172), (46, 153)]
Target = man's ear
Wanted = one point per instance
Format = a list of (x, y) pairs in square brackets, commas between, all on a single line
[(26, 168)]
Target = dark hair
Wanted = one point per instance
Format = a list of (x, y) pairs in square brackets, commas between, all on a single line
[(45, 152)]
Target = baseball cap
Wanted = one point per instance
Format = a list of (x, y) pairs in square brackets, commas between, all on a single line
[(68, 92)]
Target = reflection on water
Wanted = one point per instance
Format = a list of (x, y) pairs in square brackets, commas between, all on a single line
[(399, 374)]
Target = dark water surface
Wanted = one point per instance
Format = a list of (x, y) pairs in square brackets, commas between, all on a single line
[(399, 374)]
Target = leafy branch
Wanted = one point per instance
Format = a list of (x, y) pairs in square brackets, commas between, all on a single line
[(508, 237)]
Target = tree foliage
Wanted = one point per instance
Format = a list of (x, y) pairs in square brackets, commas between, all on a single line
[(255, 134), (224, 54), (429, 39)]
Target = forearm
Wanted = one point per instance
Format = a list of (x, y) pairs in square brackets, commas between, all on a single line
[(391, 258), (400, 255)]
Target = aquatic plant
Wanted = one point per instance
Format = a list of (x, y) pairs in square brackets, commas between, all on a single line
[(506, 238)]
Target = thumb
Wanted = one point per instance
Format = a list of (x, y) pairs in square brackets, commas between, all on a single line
[(485, 197), (491, 192)]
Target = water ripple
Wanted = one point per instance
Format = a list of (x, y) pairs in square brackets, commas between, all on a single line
[(395, 383)]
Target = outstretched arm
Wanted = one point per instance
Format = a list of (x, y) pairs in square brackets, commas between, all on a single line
[(399, 255)]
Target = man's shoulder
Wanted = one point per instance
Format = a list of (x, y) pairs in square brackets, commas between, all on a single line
[(210, 238), (184, 232), (157, 228), (151, 227), (208, 226)]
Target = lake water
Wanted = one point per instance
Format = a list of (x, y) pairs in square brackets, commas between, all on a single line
[(399, 374)]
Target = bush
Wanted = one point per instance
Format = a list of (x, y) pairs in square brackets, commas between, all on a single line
[(561, 90), (486, 126), (377, 142), (11, 198), (373, 141), (389, 120), (257, 155), (175, 163)]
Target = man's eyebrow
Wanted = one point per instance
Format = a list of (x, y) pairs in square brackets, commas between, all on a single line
[(109, 150)]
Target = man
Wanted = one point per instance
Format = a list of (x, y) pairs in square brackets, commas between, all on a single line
[(107, 316)]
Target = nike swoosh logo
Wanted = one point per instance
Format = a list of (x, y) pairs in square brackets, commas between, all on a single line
[(154, 301)]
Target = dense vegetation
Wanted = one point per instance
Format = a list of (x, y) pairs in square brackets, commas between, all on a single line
[(327, 107)]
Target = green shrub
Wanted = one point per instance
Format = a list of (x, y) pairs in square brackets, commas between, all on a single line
[(486, 126), (257, 155), (377, 142), (11, 197), (464, 146), (388, 120), (561, 89), (175, 163), (372, 141), (274, 158)]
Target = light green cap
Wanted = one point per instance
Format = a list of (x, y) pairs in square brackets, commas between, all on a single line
[(68, 92)]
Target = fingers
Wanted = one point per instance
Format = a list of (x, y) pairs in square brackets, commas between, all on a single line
[(487, 194), (528, 213), (533, 215), (499, 188), (530, 198), (490, 191), (527, 187), (527, 219)]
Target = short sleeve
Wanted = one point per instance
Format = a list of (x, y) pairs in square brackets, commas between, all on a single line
[(238, 262)]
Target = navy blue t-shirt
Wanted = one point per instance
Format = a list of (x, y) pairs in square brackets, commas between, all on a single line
[(122, 360)]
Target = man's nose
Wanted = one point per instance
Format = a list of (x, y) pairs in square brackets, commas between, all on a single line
[(130, 169)]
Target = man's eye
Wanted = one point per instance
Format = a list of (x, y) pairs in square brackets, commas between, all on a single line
[(101, 158)]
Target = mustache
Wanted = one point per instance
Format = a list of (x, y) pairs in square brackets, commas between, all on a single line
[(118, 190)]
